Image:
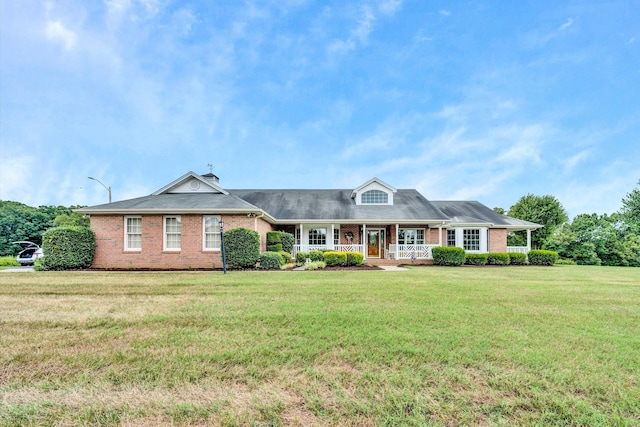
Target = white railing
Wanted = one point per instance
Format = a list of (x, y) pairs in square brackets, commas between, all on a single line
[(411, 251), (518, 249), (339, 248)]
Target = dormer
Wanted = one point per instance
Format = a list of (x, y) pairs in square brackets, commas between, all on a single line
[(191, 182), (374, 192)]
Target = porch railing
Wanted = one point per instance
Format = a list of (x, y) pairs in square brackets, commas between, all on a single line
[(339, 248), (518, 249), (411, 251)]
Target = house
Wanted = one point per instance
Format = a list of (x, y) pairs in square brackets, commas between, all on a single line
[(178, 226)]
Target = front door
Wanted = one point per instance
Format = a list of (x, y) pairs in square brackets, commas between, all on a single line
[(374, 242)]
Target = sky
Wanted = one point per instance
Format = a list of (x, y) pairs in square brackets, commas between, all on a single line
[(462, 100)]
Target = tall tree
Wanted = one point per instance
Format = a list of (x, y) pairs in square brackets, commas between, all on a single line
[(631, 209), (544, 210)]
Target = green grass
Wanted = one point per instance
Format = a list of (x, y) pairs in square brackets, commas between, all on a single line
[(429, 346)]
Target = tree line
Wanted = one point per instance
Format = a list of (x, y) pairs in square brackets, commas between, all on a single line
[(588, 239)]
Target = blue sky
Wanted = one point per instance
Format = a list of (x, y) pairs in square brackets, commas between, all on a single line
[(479, 100)]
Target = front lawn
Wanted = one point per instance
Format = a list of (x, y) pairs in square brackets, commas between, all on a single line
[(429, 346)]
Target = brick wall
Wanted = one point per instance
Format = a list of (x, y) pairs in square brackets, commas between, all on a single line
[(110, 252), (498, 240)]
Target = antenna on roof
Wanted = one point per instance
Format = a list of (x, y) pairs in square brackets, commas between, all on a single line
[(210, 166)]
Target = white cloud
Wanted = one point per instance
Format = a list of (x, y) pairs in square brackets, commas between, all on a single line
[(57, 32), (389, 7), (445, 12), (566, 24)]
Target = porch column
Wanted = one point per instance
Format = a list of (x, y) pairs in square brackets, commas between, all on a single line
[(528, 240), (364, 239), (440, 235), (301, 238), (332, 246)]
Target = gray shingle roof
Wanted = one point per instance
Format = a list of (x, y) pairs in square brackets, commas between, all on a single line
[(176, 202), (472, 212), (409, 205)]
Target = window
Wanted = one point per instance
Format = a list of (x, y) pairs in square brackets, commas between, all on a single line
[(172, 232), (411, 236), (471, 239), (451, 237), (336, 236), (211, 225), (318, 237), (375, 197), (133, 233)]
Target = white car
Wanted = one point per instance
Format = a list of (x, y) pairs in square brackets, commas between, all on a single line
[(29, 253)]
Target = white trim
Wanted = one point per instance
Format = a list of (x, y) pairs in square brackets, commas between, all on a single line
[(204, 234)]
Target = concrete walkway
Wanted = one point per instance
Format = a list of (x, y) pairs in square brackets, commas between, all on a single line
[(392, 268), (24, 269)]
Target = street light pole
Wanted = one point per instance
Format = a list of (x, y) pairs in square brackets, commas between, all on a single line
[(224, 259), (100, 182)]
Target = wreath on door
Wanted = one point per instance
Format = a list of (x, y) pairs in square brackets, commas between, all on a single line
[(349, 236), (372, 239)]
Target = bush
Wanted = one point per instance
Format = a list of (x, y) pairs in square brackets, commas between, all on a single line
[(542, 257), (334, 258), (287, 240), (301, 258), (316, 255), (498, 258), (9, 261), (517, 258), (285, 257), (242, 248), (68, 248), (273, 237), (476, 259), (270, 261), (355, 258), (274, 248), (565, 261), (448, 255), (315, 265)]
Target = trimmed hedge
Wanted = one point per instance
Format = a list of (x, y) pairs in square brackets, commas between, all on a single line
[(242, 248), (287, 240), (301, 257), (316, 255), (498, 258), (333, 258), (270, 261), (274, 248), (285, 257), (476, 259), (542, 257), (448, 255), (355, 258), (67, 248), (517, 258), (273, 237)]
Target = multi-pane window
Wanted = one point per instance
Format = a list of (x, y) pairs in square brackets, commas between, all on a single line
[(376, 197), (411, 236), (211, 225), (172, 232), (451, 237), (318, 237), (133, 233), (336, 236), (471, 239)]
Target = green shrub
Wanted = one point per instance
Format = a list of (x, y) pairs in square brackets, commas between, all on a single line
[(476, 259), (270, 261), (334, 258), (287, 240), (242, 248), (285, 257), (448, 255), (274, 248), (301, 258), (498, 258), (39, 265), (68, 248), (518, 258), (273, 237), (355, 258), (542, 257), (289, 266), (9, 261), (315, 265), (565, 261), (316, 255)]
